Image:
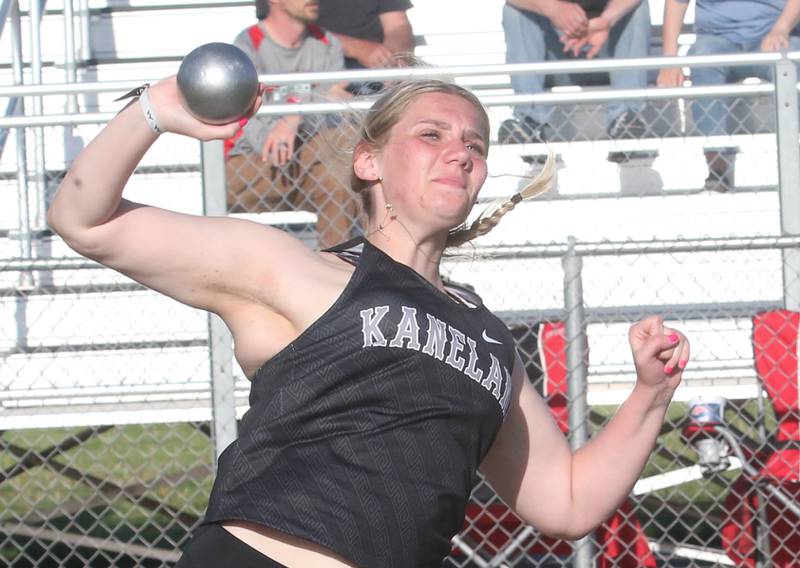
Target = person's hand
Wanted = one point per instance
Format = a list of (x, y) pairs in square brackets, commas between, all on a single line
[(279, 146), (373, 55), (671, 77), (570, 19), (596, 36), (166, 100), (775, 40), (660, 355)]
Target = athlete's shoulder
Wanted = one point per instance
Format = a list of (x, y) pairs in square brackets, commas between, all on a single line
[(349, 251), (463, 291)]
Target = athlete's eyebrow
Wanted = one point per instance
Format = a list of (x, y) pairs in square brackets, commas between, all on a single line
[(446, 126)]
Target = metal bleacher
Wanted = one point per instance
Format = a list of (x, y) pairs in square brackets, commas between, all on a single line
[(75, 324), (93, 365)]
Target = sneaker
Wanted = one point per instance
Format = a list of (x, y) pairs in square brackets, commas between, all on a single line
[(525, 131), (626, 126)]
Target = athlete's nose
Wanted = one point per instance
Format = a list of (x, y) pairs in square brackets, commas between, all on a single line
[(456, 151)]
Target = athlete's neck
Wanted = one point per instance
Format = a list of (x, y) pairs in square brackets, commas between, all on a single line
[(421, 255)]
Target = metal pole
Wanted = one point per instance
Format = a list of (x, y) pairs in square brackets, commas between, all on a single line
[(473, 555), (539, 68), (38, 213), (72, 143), (764, 557), (762, 528), (575, 330), (223, 400), (786, 121), (70, 64), (26, 247), (500, 560), (86, 30), (25, 280), (576, 346), (220, 342)]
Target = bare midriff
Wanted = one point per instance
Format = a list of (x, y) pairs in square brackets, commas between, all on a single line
[(285, 549)]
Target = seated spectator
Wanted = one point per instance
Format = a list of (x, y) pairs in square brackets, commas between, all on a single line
[(373, 33), (537, 30), (278, 163), (726, 26)]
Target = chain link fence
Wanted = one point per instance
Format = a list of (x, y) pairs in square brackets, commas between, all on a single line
[(115, 401)]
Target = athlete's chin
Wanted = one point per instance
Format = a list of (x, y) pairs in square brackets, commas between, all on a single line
[(454, 211), (450, 219)]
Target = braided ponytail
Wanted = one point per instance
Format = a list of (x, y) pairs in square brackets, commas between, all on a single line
[(490, 217)]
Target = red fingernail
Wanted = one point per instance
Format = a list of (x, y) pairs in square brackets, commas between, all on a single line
[(673, 338), (682, 363), (668, 370), (243, 122)]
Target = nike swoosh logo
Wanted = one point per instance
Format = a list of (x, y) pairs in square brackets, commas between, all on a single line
[(488, 339)]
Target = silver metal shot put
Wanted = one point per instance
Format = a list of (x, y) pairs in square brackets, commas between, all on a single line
[(218, 82)]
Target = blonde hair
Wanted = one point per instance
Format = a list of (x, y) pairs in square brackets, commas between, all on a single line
[(387, 111)]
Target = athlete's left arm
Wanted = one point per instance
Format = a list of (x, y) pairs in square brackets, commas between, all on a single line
[(566, 494)]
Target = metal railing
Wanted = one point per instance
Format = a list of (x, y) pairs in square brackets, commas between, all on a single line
[(586, 273)]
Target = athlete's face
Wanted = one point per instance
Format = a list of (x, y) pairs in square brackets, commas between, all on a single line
[(303, 10), (434, 161)]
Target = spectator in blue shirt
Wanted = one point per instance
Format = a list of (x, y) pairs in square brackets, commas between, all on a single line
[(536, 30), (726, 26)]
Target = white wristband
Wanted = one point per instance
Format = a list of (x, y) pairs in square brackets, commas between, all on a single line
[(149, 115)]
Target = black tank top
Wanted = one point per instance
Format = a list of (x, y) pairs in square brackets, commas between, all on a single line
[(365, 433)]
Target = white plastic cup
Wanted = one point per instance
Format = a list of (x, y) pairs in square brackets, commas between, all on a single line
[(711, 453)]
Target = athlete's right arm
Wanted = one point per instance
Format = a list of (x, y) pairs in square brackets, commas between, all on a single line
[(201, 261)]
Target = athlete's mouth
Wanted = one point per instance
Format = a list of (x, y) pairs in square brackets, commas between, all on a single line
[(451, 181)]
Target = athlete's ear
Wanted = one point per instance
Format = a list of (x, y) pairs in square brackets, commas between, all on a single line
[(365, 163)]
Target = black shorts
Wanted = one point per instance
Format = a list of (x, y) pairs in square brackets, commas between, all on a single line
[(214, 547)]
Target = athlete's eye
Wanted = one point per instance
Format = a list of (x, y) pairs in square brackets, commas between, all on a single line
[(430, 134), (476, 148)]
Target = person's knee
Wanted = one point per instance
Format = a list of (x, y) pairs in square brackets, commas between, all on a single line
[(236, 180), (517, 19), (637, 21), (637, 27), (642, 13), (708, 44), (253, 186), (524, 34), (711, 44)]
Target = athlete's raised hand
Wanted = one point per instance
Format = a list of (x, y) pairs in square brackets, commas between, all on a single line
[(172, 116), (660, 355)]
